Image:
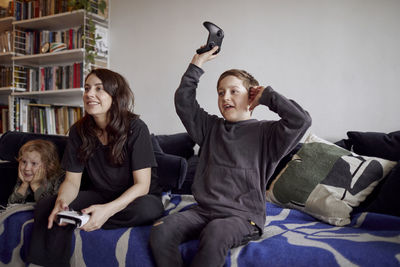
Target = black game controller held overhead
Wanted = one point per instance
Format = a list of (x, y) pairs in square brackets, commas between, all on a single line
[(215, 36)]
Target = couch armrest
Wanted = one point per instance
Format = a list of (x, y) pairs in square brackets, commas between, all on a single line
[(9, 174), (11, 142), (171, 171)]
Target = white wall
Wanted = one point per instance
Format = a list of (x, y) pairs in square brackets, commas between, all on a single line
[(339, 59)]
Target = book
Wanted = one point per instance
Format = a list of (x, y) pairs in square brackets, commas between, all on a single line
[(23, 105), (3, 118)]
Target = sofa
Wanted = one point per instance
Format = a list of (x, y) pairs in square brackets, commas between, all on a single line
[(314, 214)]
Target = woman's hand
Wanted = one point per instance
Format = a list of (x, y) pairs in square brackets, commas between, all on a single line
[(99, 214), (254, 96), (59, 206), (66, 194), (200, 59)]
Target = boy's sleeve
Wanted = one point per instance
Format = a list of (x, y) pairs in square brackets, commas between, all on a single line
[(194, 118), (284, 134)]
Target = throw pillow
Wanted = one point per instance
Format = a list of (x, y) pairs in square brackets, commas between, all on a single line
[(171, 169), (327, 181), (179, 144), (376, 144), (387, 198)]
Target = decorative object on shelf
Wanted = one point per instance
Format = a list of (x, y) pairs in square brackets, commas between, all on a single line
[(98, 7), (45, 48), (55, 47), (91, 6), (6, 8)]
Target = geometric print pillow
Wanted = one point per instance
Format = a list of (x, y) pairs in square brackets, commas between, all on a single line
[(327, 181)]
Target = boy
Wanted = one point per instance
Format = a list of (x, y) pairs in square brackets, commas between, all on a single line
[(238, 155)]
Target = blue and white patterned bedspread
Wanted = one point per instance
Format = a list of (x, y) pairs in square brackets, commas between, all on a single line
[(291, 238)]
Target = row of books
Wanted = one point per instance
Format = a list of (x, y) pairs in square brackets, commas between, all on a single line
[(43, 78), (44, 118), (3, 118), (28, 9), (33, 41), (6, 41), (5, 76), (54, 77), (39, 8)]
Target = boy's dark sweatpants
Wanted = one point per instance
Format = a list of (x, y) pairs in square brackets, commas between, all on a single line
[(217, 236), (52, 247)]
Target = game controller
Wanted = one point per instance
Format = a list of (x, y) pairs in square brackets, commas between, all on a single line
[(215, 36), (73, 217)]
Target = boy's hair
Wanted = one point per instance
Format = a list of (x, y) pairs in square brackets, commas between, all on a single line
[(247, 79), (48, 155)]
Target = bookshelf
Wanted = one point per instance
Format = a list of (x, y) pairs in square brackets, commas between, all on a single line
[(6, 67), (49, 61)]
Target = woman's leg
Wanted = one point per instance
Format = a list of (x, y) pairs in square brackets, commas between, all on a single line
[(49, 247), (143, 210), (52, 247)]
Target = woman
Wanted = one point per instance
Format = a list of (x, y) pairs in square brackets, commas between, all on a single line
[(113, 145)]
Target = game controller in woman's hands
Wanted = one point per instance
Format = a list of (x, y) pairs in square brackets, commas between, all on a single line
[(73, 217), (215, 37)]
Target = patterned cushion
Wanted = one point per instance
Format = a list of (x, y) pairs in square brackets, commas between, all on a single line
[(327, 181)]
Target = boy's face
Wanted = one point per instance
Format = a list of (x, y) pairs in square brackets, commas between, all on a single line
[(233, 99)]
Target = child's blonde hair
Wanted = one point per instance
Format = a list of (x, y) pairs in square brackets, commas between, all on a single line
[(247, 79), (48, 155)]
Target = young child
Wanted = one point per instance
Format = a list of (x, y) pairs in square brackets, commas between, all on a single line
[(39, 172), (238, 156)]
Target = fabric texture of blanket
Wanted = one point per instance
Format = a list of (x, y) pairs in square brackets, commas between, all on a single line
[(290, 237)]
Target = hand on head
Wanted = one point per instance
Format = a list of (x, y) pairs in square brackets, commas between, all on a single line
[(36, 174), (200, 59), (254, 96), (21, 175)]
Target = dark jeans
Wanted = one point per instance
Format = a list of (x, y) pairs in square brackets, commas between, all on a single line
[(52, 247), (216, 234)]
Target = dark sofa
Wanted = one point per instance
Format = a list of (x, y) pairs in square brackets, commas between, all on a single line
[(174, 155), (291, 237)]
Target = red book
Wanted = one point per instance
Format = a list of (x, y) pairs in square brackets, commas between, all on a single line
[(42, 80), (36, 8)]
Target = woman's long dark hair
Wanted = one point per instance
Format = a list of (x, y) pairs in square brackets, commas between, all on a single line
[(120, 115)]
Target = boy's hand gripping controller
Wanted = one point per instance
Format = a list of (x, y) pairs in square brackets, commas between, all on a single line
[(215, 36)]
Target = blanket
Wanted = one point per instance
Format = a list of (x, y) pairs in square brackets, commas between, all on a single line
[(291, 238)]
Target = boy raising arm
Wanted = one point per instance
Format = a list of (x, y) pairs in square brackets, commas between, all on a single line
[(238, 156)]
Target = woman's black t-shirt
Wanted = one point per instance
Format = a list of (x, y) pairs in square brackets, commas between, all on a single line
[(104, 176)]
